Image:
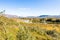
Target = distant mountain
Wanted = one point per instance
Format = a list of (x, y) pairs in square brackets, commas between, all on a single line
[(43, 16), (9, 16), (49, 16), (31, 16)]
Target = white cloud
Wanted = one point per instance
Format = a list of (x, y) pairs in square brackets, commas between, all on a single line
[(32, 11), (27, 12)]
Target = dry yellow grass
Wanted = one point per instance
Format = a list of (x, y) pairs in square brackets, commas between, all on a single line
[(55, 27), (16, 29)]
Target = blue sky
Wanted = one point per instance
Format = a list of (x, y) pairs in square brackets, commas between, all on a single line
[(30, 7)]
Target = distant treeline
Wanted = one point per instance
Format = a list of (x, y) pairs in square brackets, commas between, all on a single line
[(43, 20), (47, 20), (53, 21)]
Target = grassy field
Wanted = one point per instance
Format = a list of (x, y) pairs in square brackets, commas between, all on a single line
[(15, 29)]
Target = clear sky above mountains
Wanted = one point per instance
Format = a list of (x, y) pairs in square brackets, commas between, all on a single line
[(30, 7)]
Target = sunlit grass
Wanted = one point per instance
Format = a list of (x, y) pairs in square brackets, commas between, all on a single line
[(13, 29)]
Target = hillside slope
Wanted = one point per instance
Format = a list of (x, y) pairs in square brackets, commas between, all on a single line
[(15, 29)]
